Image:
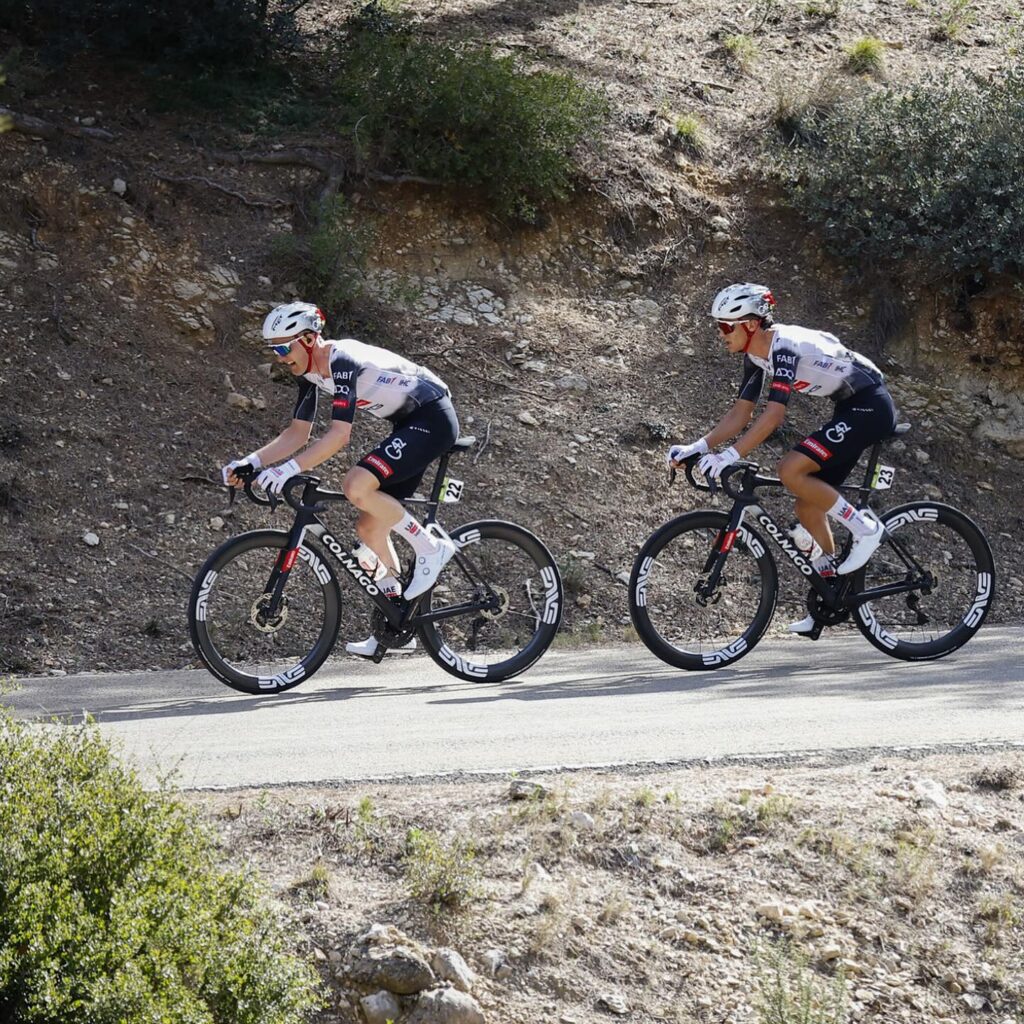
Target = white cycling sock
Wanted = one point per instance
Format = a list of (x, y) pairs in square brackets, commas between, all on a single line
[(825, 565), (421, 541), (389, 586), (856, 522)]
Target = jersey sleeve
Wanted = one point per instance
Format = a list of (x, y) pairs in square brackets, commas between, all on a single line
[(753, 378), (783, 369), (305, 404), (345, 374)]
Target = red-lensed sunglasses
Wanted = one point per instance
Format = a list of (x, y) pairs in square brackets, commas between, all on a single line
[(727, 326)]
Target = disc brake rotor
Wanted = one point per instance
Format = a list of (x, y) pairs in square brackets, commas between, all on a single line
[(504, 601), (258, 616)]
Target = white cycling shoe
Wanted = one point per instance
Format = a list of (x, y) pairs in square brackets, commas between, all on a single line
[(428, 567), (804, 626), (863, 547), (368, 648)]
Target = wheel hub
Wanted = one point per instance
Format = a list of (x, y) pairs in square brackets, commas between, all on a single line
[(503, 603), (258, 615)]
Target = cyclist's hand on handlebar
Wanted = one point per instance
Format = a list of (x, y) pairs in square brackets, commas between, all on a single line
[(712, 464), (273, 479), (680, 452), (231, 477)]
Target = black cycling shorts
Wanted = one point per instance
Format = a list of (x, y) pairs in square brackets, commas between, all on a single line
[(401, 459), (857, 423)]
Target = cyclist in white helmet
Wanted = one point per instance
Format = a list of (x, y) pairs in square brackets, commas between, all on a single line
[(799, 360), (386, 385)]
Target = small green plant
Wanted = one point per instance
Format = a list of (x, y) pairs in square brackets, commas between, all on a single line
[(574, 575), (951, 21), (330, 261), (773, 809), (741, 50), (789, 992), (645, 797), (999, 914), (614, 908), (317, 884), (688, 136), (463, 115), (825, 10), (113, 905), (916, 865), (866, 56), (442, 874)]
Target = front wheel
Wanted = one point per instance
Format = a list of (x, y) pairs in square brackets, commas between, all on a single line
[(940, 565), (698, 597), (262, 619), (509, 591)]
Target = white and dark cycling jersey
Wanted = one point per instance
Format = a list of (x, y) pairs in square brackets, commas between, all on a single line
[(374, 380), (810, 362)]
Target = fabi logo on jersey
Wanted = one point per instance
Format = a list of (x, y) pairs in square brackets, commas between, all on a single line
[(393, 378)]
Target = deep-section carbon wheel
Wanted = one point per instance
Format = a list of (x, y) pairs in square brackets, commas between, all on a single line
[(244, 642), (682, 615), (948, 555), (510, 589)]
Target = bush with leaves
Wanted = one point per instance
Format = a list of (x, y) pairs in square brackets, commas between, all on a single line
[(463, 115), (329, 262), (932, 170), (204, 31), (442, 874), (112, 906)]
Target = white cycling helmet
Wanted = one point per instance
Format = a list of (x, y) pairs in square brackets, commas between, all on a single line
[(288, 320), (743, 301)]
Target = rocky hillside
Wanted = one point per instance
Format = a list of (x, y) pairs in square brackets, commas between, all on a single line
[(136, 259)]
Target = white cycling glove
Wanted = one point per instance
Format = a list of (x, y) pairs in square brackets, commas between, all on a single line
[(678, 452), (712, 464), (226, 471), (274, 478)]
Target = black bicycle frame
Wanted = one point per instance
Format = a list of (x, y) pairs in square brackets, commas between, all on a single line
[(834, 591), (400, 615)]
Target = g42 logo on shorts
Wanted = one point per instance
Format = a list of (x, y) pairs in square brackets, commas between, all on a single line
[(395, 448), (837, 432)]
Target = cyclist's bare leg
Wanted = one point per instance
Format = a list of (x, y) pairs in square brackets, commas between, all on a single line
[(814, 497), (378, 513), (378, 538)]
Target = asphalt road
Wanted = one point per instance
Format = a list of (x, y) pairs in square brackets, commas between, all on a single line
[(608, 706)]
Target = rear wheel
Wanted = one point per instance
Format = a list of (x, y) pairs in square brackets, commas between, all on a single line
[(684, 613), (947, 556), (509, 587), (244, 638)]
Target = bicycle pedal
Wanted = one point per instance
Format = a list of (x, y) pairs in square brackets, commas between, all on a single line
[(378, 655)]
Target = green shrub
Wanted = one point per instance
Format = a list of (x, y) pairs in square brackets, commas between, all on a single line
[(866, 56), (112, 907), (929, 170), (952, 19), (688, 135), (742, 50), (790, 993), (464, 116), (330, 261), (205, 31), (439, 873)]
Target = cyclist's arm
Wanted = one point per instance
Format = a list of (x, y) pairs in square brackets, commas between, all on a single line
[(761, 429), (336, 438), (731, 423), (290, 440)]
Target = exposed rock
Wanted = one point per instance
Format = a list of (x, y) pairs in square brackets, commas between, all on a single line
[(446, 1006), (449, 965), (380, 1007), (398, 969), (90, 539), (525, 789)]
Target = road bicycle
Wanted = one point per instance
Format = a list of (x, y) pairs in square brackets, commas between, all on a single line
[(704, 586), (266, 606)]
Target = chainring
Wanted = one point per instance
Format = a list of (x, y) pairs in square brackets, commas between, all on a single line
[(822, 613), (384, 633)]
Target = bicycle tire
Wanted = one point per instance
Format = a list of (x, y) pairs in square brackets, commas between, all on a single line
[(209, 626), (653, 588), (963, 607), (521, 567)]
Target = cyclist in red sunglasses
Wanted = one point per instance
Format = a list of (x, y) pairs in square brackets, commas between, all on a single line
[(797, 359)]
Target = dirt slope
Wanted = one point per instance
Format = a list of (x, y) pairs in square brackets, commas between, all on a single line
[(136, 271)]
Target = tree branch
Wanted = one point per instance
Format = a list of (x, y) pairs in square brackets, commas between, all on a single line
[(40, 129), (220, 188)]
